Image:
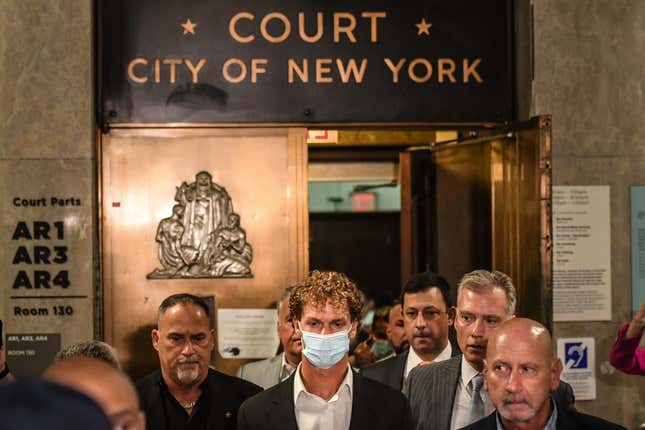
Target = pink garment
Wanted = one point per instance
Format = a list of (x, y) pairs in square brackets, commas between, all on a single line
[(626, 355)]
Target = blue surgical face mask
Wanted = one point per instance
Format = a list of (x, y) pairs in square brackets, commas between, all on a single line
[(325, 350)]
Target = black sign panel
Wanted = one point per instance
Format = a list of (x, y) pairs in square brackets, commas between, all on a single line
[(28, 354), (305, 61)]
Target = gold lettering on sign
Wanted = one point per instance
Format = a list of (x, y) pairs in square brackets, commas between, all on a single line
[(322, 67), (469, 69), (132, 76), (157, 71), (265, 22), (319, 28), (347, 29), (446, 67), (233, 22), (302, 72), (395, 69), (373, 16), (351, 69), (412, 74), (227, 65), (194, 70), (256, 68), (173, 73)]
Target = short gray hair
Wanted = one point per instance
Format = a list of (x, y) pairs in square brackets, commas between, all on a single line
[(92, 349), (481, 280)]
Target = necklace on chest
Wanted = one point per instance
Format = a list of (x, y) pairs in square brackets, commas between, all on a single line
[(188, 405)]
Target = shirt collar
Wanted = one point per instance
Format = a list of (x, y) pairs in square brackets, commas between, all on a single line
[(468, 372), (285, 367), (550, 424), (299, 386), (414, 359)]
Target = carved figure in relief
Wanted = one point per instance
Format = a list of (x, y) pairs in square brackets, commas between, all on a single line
[(203, 237)]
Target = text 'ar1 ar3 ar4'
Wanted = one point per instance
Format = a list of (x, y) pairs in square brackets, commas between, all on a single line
[(41, 254)]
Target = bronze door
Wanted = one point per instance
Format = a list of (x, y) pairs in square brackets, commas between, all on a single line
[(483, 202)]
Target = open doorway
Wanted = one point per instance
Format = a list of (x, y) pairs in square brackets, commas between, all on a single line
[(475, 197), (354, 222)]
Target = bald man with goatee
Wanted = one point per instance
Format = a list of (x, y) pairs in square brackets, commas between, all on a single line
[(521, 371)]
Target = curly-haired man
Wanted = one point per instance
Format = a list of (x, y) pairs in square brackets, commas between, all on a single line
[(324, 392)]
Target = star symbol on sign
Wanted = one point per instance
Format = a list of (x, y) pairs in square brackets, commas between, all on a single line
[(189, 27), (424, 27)]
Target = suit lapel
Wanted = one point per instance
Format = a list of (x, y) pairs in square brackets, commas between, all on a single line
[(361, 406), (274, 372), (446, 392), (281, 411), (398, 370)]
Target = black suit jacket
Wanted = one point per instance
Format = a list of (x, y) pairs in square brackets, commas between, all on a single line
[(432, 389), (568, 419), (390, 371), (374, 406), (225, 394)]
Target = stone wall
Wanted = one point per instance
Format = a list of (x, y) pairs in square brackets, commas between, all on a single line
[(47, 164), (589, 74)]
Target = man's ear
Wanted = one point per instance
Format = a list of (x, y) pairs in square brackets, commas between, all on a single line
[(484, 372), (556, 371), (155, 339), (353, 330), (452, 312)]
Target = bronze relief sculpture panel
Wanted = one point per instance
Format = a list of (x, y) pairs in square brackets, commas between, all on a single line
[(203, 237)]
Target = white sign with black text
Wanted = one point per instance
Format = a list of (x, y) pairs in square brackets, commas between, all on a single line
[(581, 254)]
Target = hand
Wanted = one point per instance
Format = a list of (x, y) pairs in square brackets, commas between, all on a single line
[(637, 324), (363, 355)]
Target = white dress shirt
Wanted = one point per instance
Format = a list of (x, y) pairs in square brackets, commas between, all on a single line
[(414, 359), (286, 369), (316, 413), (463, 396)]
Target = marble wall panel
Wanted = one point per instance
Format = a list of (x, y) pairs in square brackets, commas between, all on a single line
[(47, 192), (46, 79), (589, 62)]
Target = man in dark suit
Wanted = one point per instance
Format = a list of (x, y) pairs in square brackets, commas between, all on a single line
[(186, 393), (520, 370), (427, 313), (450, 395), (324, 392)]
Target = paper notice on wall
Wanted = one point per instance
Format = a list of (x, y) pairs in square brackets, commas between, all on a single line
[(578, 357), (581, 254), (637, 200), (247, 333)]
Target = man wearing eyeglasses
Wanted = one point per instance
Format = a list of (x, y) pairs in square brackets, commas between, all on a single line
[(185, 393), (450, 394), (427, 314), (324, 392)]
